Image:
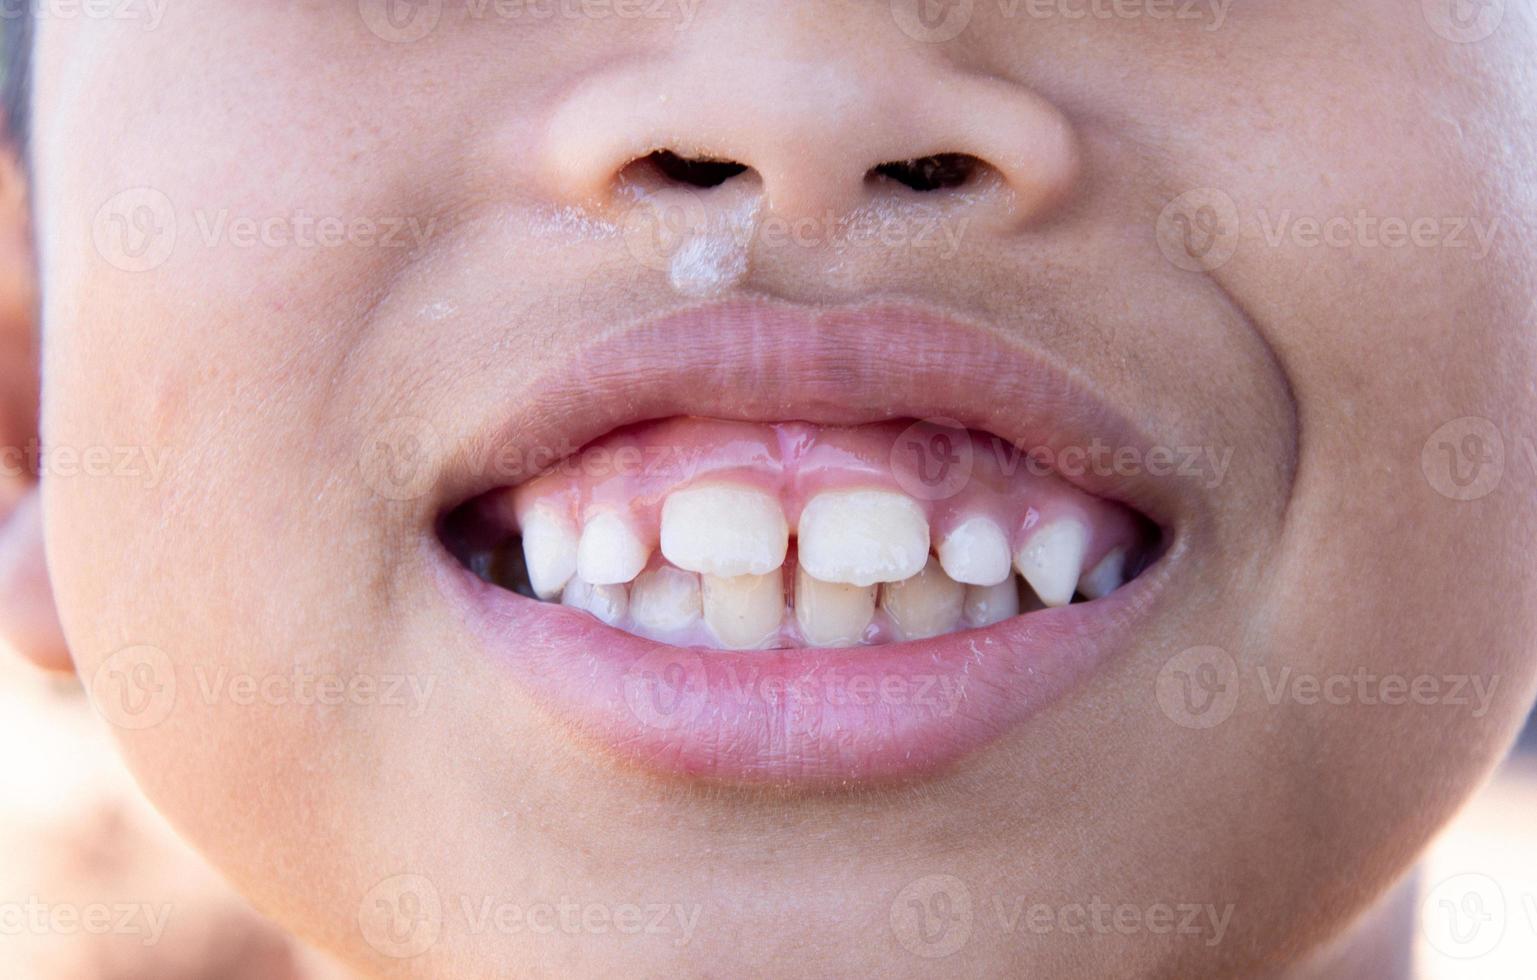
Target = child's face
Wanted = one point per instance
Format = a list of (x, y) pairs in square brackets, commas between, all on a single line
[(316, 274)]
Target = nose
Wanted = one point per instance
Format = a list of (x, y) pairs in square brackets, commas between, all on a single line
[(825, 119)]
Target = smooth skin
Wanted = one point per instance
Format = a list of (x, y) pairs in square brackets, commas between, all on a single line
[(1333, 545)]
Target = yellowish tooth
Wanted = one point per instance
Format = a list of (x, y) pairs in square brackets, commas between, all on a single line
[(607, 602), (862, 537), (928, 604), (831, 614), (744, 612), (989, 604), (724, 530), (1106, 577), (665, 598), (976, 552), (549, 550), (610, 552), (1052, 558)]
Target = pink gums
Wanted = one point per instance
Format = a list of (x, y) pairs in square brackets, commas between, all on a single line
[(954, 474)]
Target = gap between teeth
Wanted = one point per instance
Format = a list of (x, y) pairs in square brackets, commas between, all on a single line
[(862, 572)]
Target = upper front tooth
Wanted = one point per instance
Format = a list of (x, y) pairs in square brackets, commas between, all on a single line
[(989, 604), (861, 537), (549, 550), (927, 604), (976, 552), (610, 551), (1051, 559), (1105, 577), (665, 598), (607, 602), (744, 611), (832, 614), (724, 530)]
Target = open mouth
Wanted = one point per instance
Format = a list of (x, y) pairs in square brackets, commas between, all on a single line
[(760, 543), (747, 536)]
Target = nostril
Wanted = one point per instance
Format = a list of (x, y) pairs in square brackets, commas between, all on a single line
[(695, 171), (932, 173)]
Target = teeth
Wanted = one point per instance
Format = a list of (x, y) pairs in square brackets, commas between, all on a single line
[(607, 602), (1105, 577), (744, 611), (861, 537), (724, 531), (832, 614), (989, 604), (609, 551), (549, 551), (927, 604), (665, 598), (1052, 558), (976, 552)]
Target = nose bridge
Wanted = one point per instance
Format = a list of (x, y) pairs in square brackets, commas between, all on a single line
[(812, 117)]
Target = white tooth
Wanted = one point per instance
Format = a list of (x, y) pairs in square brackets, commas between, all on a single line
[(927, 604), (549, 550), (724, 530), (1105, 577), (1051, 559), (665, 598), (609, 551), (832, 614), (861, 537), (744, 611), (989, 604), (607, 602), (975, 552)]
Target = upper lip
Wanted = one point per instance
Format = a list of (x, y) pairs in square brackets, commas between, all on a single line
[(847, 365), (686, 711)]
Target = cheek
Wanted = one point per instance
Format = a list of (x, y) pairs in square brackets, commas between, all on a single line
[(1378, 253)]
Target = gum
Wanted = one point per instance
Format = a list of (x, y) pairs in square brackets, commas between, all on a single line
[(631, 472)]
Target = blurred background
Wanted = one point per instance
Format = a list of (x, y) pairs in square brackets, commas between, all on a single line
[(93, 883), (76, 836)]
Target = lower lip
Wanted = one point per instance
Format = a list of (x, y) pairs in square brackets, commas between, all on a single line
[(806, 716), (794, 716)]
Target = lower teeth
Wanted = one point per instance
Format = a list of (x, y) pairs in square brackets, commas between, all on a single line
[(785, 608)]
